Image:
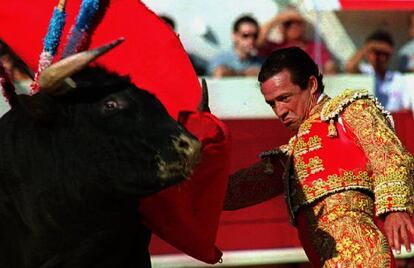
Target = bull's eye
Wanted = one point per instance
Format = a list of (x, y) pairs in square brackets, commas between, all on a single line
[(111, 105)]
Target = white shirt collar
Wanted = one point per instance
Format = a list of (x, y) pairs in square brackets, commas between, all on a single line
[(321, 97)]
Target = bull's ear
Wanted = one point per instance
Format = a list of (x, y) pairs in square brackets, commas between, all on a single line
[(40, 107)]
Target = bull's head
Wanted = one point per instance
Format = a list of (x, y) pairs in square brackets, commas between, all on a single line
[(121, 137)]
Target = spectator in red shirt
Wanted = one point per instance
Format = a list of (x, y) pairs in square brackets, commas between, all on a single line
[(292, 27)]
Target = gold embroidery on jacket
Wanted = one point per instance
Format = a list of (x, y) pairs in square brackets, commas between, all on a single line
[(342, 232), (315, 165), (304, 128), (389, 170), (301, 147), (391, 164), (334, 107), (314, 143), (333, 183), (301, 168)]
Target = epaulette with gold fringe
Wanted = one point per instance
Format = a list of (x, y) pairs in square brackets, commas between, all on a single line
[(334, 107)]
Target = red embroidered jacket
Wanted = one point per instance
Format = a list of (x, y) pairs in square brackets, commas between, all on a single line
[(347, 142)]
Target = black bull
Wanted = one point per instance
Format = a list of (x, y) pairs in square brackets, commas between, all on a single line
[(72, 167)]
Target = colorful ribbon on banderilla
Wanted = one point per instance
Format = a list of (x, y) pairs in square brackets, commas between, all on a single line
[(78, 35)]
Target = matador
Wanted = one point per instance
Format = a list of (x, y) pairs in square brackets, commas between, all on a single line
[(343, 167)]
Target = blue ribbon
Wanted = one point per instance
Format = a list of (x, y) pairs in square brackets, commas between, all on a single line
[(52, 38)]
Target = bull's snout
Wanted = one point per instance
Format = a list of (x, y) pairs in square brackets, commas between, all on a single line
[(188, 150), (188, 147)]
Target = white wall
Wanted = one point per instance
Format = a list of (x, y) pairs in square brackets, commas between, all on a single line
[(192, 17), (240, 98)]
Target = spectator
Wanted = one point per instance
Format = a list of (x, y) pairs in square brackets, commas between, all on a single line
[(406, 53), (390, 88), (241, 60), (292, 28), (199, 64)]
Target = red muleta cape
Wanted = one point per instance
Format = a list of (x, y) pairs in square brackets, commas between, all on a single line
[(186, 216)]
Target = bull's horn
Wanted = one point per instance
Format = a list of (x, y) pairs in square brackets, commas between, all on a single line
[(203, 106), (53, 76)]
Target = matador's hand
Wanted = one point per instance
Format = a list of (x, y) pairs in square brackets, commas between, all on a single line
[(397, 225)]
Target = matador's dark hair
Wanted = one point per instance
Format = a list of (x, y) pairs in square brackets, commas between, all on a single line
[(297, 62)]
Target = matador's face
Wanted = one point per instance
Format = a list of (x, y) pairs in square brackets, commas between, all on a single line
[(290, 103)]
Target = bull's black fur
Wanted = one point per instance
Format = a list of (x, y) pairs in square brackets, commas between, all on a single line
[(71, 170)]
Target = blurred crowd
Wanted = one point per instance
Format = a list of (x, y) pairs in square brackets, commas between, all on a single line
[(253, 42)]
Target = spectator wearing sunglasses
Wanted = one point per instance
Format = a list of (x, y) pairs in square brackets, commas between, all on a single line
[(390, 86), (241, 59), (290, 27)]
